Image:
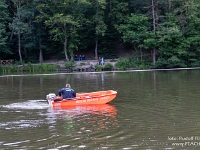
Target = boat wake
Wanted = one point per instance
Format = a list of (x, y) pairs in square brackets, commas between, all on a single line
[(30, 104)]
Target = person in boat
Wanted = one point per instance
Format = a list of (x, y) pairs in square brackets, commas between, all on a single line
[(67, 93)]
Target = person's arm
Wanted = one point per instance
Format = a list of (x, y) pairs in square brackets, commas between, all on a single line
[(74, 93), (60, 92)]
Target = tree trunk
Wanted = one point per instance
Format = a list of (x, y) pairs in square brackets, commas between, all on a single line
[(169, 3), (96, 42), (65, 49), (154, 30), (19, 32), (65, 45), (96, 49), (154, 56), (153, 15), (110, 5), (141, 54), (11, 35), (41, 53), (19, 47)]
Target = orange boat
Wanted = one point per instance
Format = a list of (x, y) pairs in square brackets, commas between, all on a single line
[(99, 97)]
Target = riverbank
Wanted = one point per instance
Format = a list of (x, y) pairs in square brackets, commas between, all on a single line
[(59, 66), (83, 65), (62, 66), (74, 71)]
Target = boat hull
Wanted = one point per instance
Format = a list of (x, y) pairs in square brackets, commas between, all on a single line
[(100, 97)]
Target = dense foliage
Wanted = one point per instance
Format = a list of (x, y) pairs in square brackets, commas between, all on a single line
[(165, 34)]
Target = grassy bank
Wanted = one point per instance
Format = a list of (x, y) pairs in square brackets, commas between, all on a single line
[(85, 65)]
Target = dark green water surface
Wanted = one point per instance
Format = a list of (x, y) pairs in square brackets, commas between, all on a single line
[(153, 110)]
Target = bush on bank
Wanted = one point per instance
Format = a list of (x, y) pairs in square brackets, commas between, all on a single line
[(106, 67), (70, 64), (131, 63), (29, 68)]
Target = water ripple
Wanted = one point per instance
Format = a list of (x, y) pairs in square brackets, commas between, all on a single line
[(31, 104)]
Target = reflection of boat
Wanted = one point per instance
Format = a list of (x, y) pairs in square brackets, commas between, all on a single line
[(103, 109), (85, 117), (99, 97)]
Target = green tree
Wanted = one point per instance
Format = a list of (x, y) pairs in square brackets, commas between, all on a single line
[(3, 35), (135, 30), (171, 45), (96, 17), (191, 32), (116, 12), (19, 26), (63, 18)]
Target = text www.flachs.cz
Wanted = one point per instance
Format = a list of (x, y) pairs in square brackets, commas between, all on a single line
[(181, 144)]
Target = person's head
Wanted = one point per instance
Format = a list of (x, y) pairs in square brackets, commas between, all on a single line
[(68, 86)]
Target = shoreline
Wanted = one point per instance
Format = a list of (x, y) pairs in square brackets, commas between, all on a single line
[(82, 63), (98, 72), (83, 66)]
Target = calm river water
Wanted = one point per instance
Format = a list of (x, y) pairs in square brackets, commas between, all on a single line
[(152, 110)]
